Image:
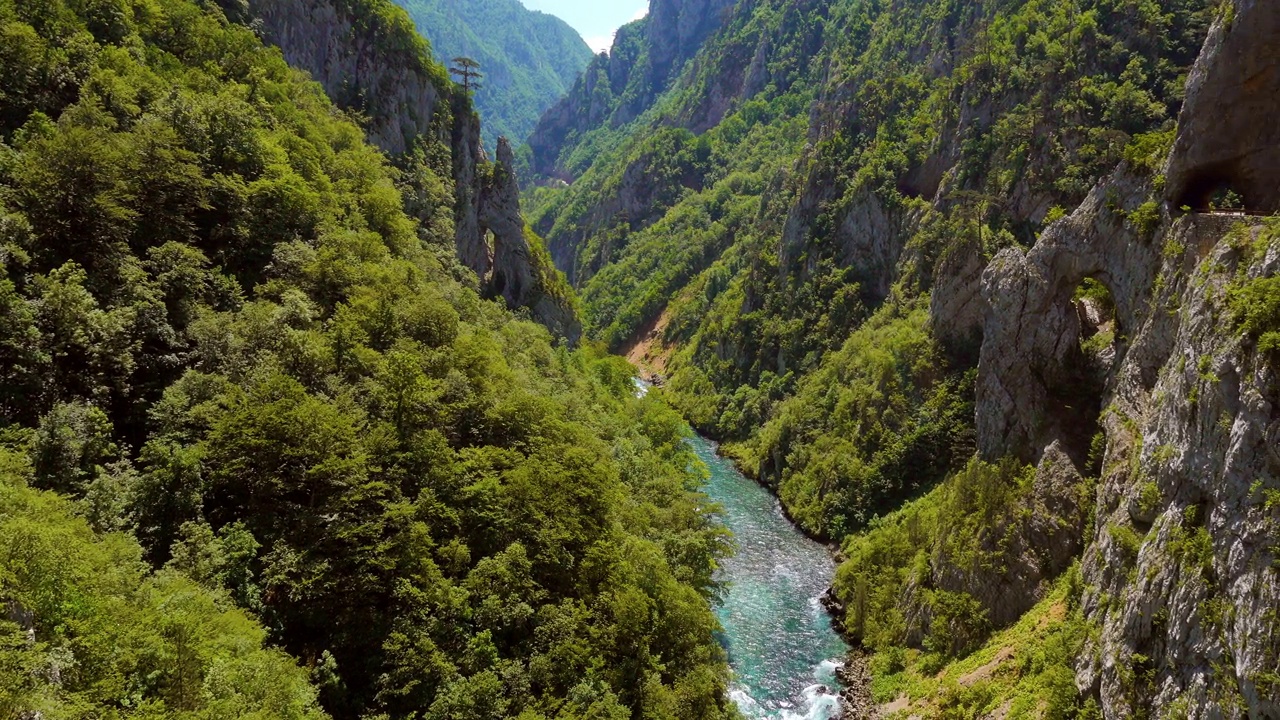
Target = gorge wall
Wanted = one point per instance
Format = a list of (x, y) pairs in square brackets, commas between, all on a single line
[(962, 283), (1181, 570), (617, 87), (370, 60)]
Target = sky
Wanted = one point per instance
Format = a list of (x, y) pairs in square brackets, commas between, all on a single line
[(595, 20)]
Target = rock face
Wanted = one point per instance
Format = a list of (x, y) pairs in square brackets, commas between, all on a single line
[(856, 701), (1181, 574), (637, 203), (1039, 542), (956, 306), (359, 64), (382, 71), (677, 29), (1227, 135), (510, 273), (511, 270), (468, 155), (868, 238), (1033, 381)]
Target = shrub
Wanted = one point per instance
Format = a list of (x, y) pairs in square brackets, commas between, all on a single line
[(1255, 306)]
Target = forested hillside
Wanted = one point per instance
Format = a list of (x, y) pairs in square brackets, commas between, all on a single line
[(938, 273), (529, 59), (250, 406), (297, 418)]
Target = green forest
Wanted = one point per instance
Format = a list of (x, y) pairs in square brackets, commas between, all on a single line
[(981, 297), (251, 407)]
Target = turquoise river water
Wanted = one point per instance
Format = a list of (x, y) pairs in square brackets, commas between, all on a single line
[(781, 643)]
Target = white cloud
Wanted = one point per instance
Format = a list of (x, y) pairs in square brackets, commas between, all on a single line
[(603, 43), (600, 43)]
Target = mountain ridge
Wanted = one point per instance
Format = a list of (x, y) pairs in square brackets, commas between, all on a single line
[(529, 58), (618, 86)]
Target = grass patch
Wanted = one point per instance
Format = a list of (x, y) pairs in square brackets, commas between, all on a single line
[(1029, 667)]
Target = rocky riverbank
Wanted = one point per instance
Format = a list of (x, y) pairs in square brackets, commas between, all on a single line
[(855, 699)]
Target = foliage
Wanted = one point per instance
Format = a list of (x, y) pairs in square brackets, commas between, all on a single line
[(855, 150), (120, 640), (1062, 113), (888, 581), (1146, 219), (877, 421), (1256, 306), (1028, 669), (1149, 151), (1254, 300), (224, 335), (834, 159)]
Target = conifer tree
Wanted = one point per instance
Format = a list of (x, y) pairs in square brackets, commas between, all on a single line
[(468, 73)]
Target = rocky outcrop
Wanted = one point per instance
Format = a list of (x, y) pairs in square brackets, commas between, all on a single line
[(634, 203), (1181, 573), (379, 71), (677, 29), (1039, 540), (509, 272), (468, 156), (856, 700), (1034, 384), (511, 269), (19, 615), (1228, 137), (48, 672), (492, 240), (1181, 570), (956, 306), (586, 106), (868, 237)]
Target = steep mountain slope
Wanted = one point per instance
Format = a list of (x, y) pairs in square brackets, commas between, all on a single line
[(616, 88), (232, 329), (529, 59), (370, 61), (926, 267)]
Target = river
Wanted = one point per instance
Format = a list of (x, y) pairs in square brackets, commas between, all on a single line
[(781, 643)]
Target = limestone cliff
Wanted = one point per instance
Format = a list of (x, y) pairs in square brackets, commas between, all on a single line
[(1228, 134), (362, 58), (516, 270), (368, 58), (1181, 566)]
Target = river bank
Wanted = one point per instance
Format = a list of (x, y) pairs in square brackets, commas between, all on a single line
[(789, 665), (783, 646)]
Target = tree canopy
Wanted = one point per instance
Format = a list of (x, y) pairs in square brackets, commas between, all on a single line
[(251, 407)]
